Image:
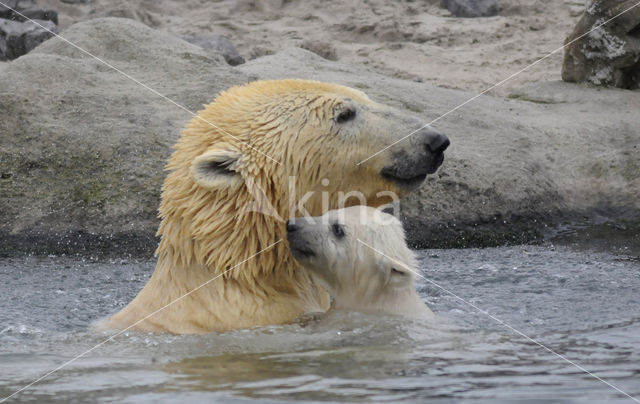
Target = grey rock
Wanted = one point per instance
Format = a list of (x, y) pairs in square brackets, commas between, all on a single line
[(21, 10), (38, 14), (8, 7), (18, 35), (83, 147), (19, 38), (610, 54), (471, 8), (218, 44), (324, 49)]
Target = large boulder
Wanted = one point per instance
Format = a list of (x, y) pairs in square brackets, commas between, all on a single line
[(83, 146), (606, 54)]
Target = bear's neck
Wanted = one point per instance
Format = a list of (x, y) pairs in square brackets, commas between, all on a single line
[(250, 250), (213, 283)]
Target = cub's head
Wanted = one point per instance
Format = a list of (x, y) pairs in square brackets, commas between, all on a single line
[(359, 254), (292, 137)]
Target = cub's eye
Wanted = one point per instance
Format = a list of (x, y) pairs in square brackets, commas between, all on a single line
[(397, 272), (337, 230), (346, 115)]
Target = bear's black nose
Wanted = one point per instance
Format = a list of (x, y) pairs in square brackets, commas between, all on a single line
[(291, 226), (436, 142)]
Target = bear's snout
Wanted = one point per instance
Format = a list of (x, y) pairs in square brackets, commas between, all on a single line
[(301, 241), (422, 155)]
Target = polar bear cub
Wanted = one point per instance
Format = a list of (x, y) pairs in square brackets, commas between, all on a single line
[(360, 256)]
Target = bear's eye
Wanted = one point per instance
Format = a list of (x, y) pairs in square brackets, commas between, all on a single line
[(346, 115), (394, 271), (337, 230)]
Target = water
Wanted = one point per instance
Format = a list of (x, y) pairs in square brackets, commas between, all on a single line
[(583, 304)]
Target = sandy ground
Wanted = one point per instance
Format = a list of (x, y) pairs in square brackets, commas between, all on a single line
[(415, 40)]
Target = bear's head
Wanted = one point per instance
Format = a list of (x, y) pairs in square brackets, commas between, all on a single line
[(309, 138), (285, 148), (360, 256)]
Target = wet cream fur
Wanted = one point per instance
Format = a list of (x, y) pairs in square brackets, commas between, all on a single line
[(360, 255), (214, 172)]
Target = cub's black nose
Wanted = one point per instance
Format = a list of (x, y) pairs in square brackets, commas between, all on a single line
[(291, 227), (437, 142)]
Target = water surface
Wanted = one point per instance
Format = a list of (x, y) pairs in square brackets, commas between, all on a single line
[(583, 304)]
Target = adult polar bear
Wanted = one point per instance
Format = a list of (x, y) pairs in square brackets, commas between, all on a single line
[(267, 134)]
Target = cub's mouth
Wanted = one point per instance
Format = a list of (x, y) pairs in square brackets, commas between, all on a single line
[(299, 248)]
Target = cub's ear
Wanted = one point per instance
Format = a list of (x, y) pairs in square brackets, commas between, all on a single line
[(217, 168)]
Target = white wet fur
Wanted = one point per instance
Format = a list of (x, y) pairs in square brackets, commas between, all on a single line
[(332, 247)]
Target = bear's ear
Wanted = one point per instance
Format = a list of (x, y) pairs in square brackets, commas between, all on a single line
[(217, 168)]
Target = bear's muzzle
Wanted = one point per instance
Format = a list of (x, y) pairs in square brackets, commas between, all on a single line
[(411, 165)]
